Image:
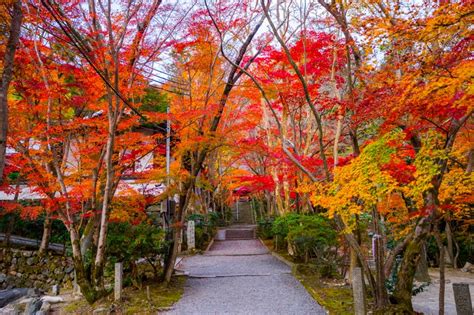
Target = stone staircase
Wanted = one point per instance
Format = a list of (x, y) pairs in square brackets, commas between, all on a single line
[(247, 233), (242, 213)]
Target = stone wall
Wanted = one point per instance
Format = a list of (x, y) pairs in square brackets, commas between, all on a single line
[(25, 269)]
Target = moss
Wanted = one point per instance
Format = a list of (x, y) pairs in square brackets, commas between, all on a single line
[(335, 298), (135, 300), (329, 293)]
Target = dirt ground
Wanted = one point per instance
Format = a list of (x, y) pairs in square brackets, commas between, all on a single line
[(427, 301)]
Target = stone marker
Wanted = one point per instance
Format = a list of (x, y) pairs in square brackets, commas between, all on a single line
[(190, 236), (462, 297), (118, 281), (358, 291)]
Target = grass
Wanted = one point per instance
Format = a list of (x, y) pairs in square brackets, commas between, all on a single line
[(333, 294), (135, 301)]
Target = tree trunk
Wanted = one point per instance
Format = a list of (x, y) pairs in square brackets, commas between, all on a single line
[(403, 290), (104, 216), (442, 285), (87, 289), (421, 273), (46, 235), (7, 74), (381, 297), (178, 223), (9, 230), (449, 237)]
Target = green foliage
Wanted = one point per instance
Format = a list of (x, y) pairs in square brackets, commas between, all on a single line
[(34, 228), (154, 101), (128, 243), (310, 236), (313, 238), (313, 235), (204, 227), (264, 228), (282, 225)]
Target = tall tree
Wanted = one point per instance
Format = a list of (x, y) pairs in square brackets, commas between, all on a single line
[(8, 60)]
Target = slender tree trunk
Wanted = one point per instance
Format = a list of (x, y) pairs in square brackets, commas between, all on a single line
[(9, 230), (442, 264), (12, 217), (87, 289), (7, 74), (381, 297), (46, 235), (179, 218), (449, 237)]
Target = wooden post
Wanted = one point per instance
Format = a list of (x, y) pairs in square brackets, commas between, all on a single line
[(358, 291), (118, 281)]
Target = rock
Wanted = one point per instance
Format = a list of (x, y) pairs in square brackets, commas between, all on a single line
[(33, 292), (52, 299), (44, 310), (11, 295), (69, 269), (12, 273), (18, 274), (3, 277), (99, 311), (468, 267), (30, 261), (27, 253), (33, 306)]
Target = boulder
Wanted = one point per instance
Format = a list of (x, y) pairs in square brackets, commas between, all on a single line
[(468, 267)]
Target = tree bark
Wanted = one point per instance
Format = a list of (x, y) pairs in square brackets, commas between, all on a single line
[(421, 273), (46, 235), (7, 74), (442, 265), (381, 297)]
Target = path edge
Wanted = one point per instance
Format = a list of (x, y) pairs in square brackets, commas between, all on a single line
[(293, 266)]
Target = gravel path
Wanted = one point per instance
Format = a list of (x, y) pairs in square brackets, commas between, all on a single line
[(427, 302), (242, 277)]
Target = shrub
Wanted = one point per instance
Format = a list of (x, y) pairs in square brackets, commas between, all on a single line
[(264, 228), (281, 227), (131, 244), (313, 237), (204, 227)]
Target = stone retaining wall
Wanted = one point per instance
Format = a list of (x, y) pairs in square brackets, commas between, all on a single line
[(25, 269)]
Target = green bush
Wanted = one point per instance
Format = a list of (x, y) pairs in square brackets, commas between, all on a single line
[(264, 228), (131, 244), (312, 237), (205, 227), (281, 227)]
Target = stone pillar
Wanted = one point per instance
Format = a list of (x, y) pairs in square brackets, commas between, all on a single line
[(358, 291), (462, 297), (190, 236), (118, 281)]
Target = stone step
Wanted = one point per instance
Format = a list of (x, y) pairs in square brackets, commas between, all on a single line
[(239, 234)]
